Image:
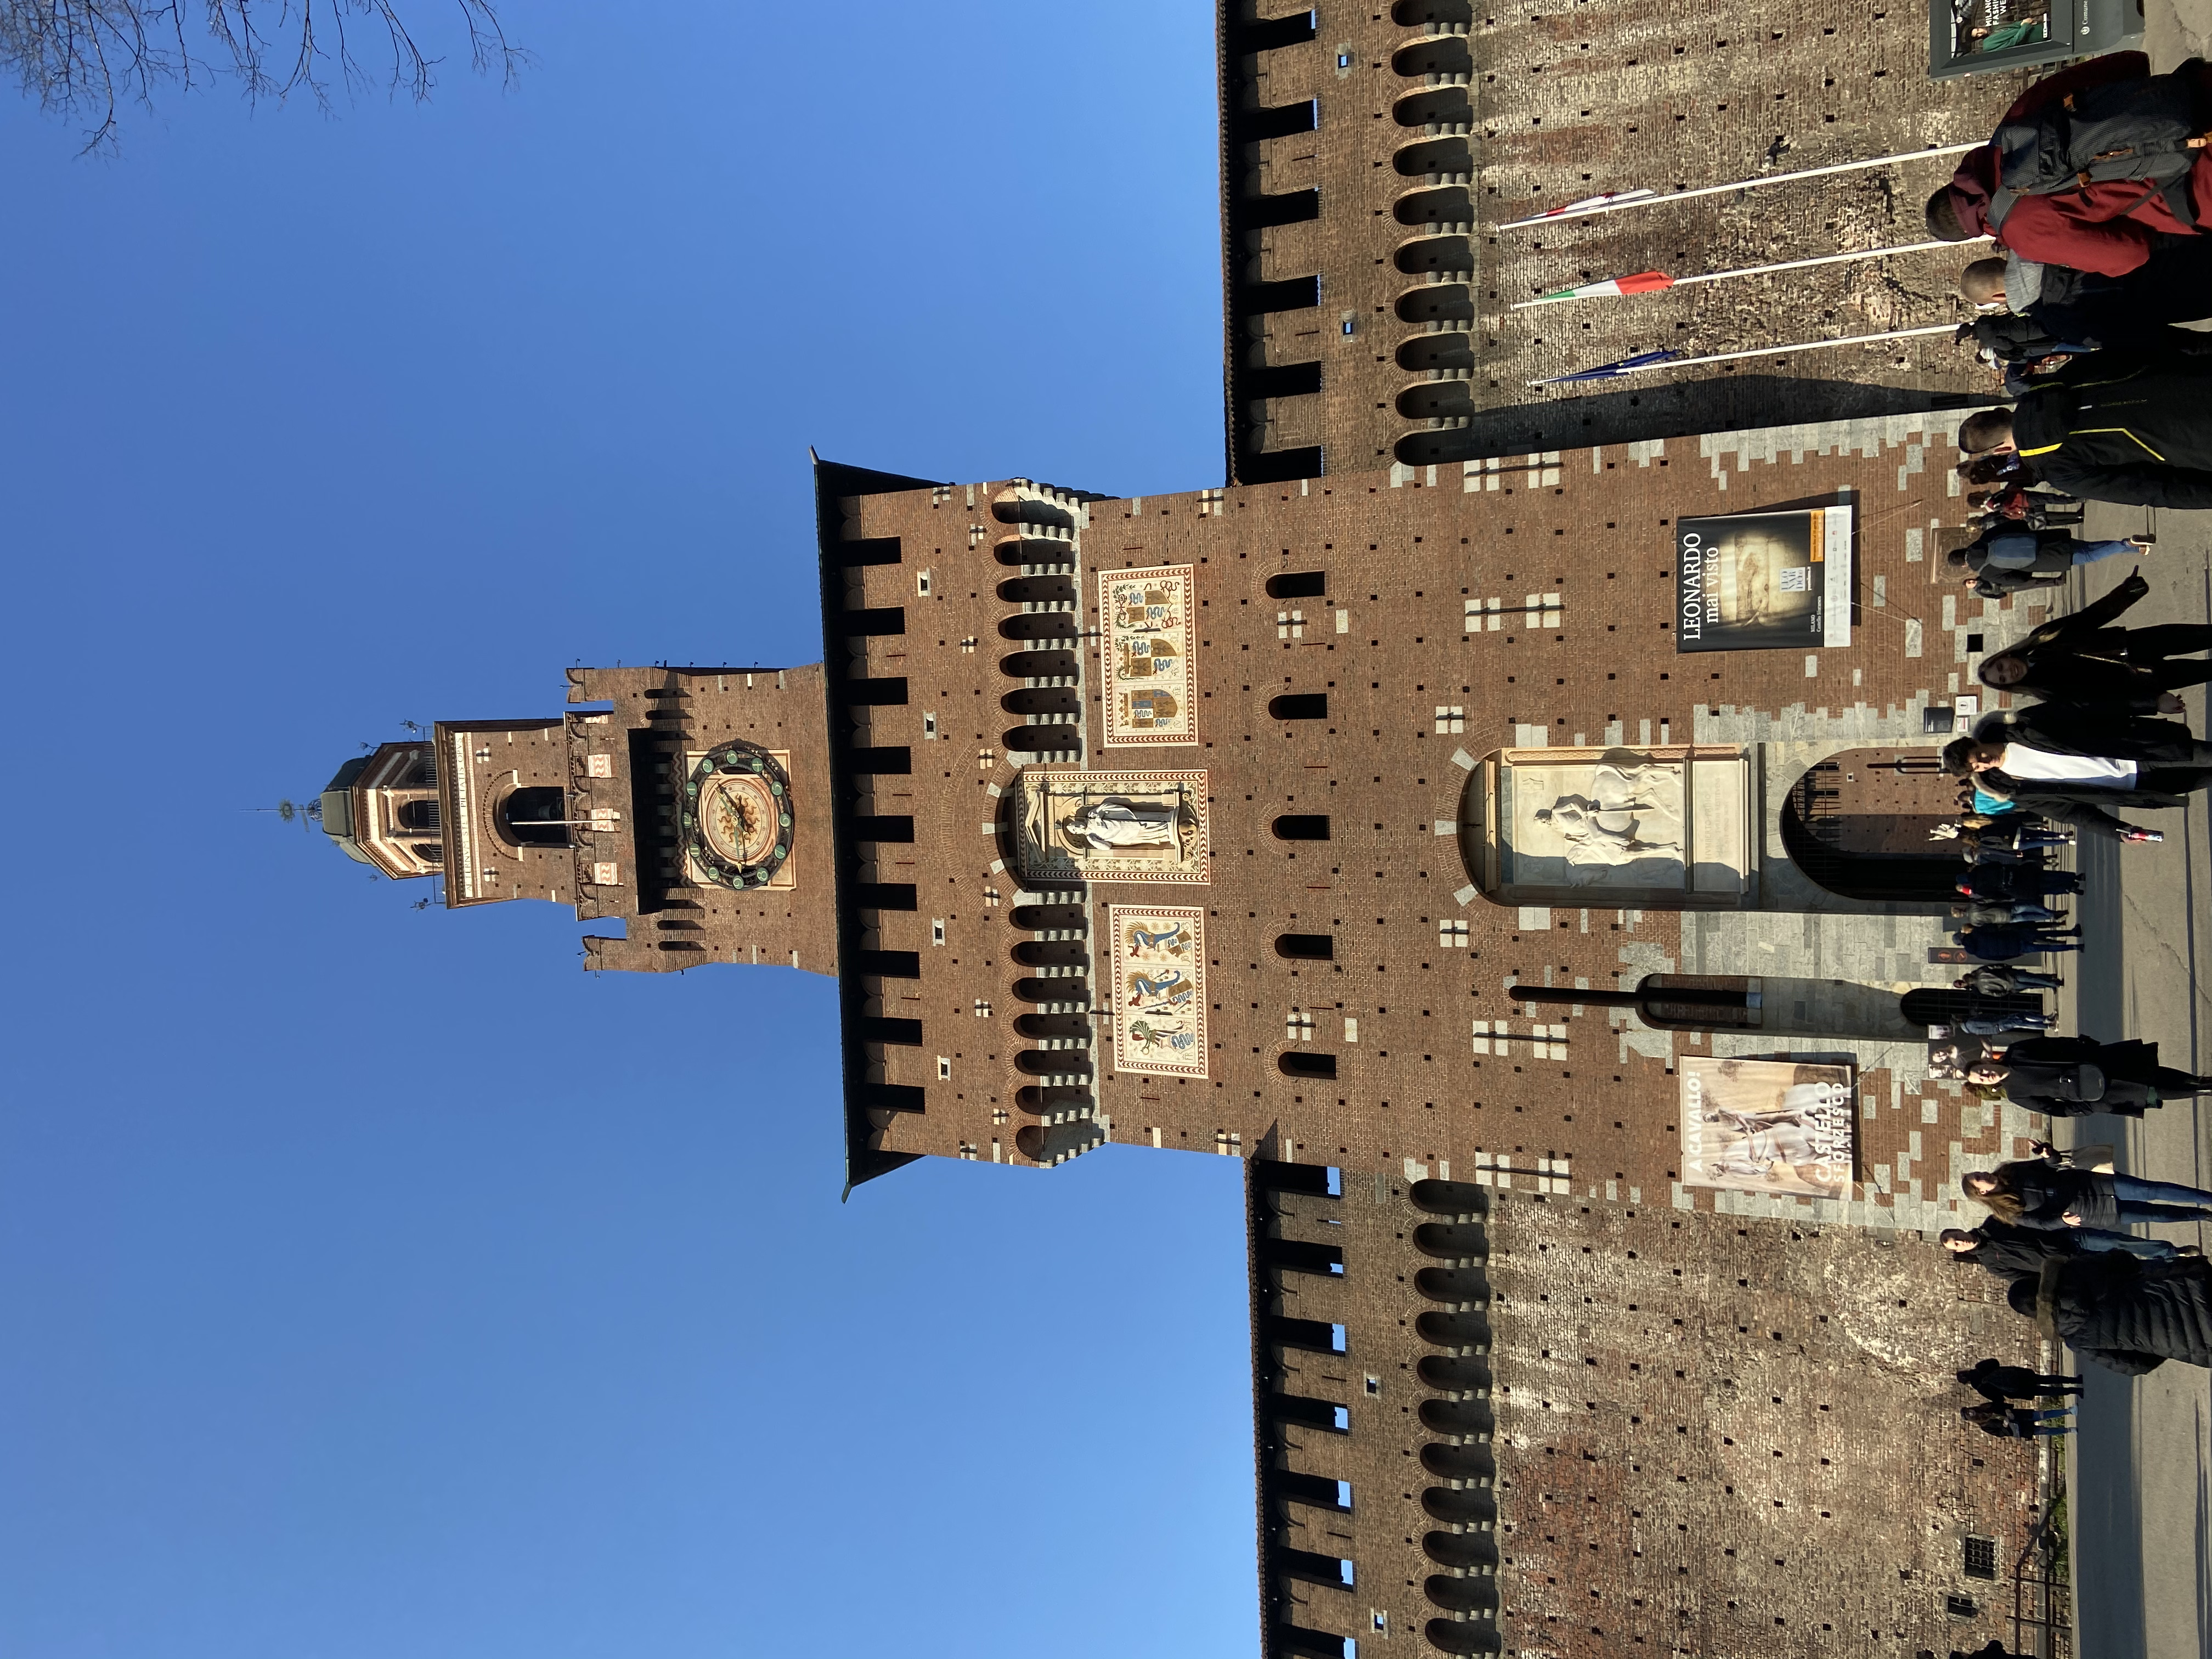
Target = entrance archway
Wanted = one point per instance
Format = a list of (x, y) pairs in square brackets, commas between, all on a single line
[(1857, 823)]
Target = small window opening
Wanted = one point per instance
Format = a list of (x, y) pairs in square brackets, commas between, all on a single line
[(1299, 706), (1306, 947), (1299, 584)]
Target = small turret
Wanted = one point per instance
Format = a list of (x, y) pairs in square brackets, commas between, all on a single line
[(382, 808)]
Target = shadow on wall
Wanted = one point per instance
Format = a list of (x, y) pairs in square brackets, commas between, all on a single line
[(1650, 406)]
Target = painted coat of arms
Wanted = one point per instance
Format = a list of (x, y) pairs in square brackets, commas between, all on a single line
[(1111, 826), (1158, 988), (1151, 675)]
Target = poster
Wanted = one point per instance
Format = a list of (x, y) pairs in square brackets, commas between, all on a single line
[(1111, 826), (1150, 672), (1158, 988), (1767, 1126), (1764, 582)]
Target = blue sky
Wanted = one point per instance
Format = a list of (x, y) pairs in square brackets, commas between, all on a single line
[(374, 1282)]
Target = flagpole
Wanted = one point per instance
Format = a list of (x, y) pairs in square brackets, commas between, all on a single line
[(1631, 366), (1597, 204), (1566, 295)]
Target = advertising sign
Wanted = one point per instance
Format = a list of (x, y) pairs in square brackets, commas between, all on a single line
[(1767, 1126), (1764, 582)]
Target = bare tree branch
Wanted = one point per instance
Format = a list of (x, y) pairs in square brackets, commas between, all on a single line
[(83, 60)]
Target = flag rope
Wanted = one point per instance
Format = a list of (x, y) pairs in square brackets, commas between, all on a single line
[(1621, 201), (1657, 360), (1597, 290)]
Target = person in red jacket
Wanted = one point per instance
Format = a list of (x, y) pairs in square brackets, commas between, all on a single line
[(2110, 228)]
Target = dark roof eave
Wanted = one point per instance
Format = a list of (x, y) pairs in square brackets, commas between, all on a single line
[(833, 481)]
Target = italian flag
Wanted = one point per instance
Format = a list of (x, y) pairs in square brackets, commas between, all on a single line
[(1642, 282)]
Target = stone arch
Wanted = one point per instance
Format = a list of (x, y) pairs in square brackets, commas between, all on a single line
[(1435, 106), (1452, 350), (1451, 1241), (1447, 154), (1437, 302), (1455, 1330), (1445, 204), (1459, 1549), (1075, 1026), (1856, 822), (1453, 1198), (1032, 551), (1423, 254), (1470, 1464), (1039, 665), (1042, 700), (1453, 1376), (1038, 590), (1438, 400), (1460, 1506), (1434, 54), (1053, 739)]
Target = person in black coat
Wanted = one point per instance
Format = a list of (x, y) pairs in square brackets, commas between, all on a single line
[(2006, 1250), (2004, 941), (2077, 1076), (2128, 1317), (2128, 425), (2070, 762), (2084, 309), (2010, 558), (2000, 881), (2042, 1192), (2000, 1384), (2082, 658), (2017, 1422), (1993, 981)]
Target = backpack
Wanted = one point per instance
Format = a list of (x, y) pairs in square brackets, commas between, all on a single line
[(2148, 130)]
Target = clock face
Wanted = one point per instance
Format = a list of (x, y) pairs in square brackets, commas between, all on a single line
[(737, 815)]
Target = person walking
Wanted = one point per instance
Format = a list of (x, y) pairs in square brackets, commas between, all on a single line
[(2019, 1422), (2009, 1020), (2079, 1076), (2071, 761), (2128, 1317), (2125, 425), (2007, 1249), (2000, 1384), (2042, 1193), (1994, 981), (2082, 658), (2004, 942), (2082, 308), (2134, 184), (2008, 558), (2000, 881), (1986, 913)]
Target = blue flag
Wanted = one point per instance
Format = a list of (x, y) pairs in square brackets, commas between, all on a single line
[(1610, 371)]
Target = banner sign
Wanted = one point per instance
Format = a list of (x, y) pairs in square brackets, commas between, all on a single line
[(1764, 582), (1767, 1126), (1151, 675), (1158, 986)]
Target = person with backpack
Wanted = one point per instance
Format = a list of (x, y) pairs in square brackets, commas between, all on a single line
[(2090, 168), (2064, 306), (2072, 761), (2008, 559), (2131, 425)]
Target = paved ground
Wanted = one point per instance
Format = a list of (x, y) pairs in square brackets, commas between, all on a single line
[(2142, 1467)]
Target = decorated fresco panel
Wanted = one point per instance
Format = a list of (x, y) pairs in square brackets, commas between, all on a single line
[(737, 816), (1159, 989), (1767, 1126), (1111, 826), (1150, 677)]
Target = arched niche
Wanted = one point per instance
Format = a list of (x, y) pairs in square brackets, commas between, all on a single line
[(1670, 828)]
